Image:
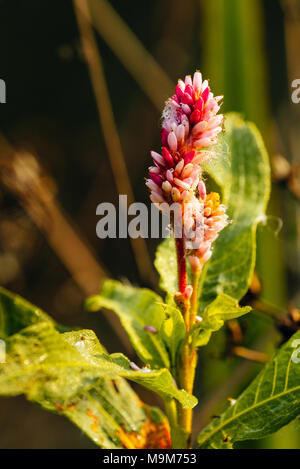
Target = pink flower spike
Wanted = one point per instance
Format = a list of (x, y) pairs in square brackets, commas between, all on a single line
[(203, 143), (180, 133), (188, 80), (204, 247), (204, 85), (215, 121), (156, 198), (199, 104), (205, 94), (188, 291), (167, 157), (176, 196), (202, 190), (173, 127), (206, 257), (190, 125), (172, 141), (190, 90), (164, 136), (166, 187), (200, 127), (156, 178), (209, 110), (187, 180), (187, 170), (154, 170), (179, 92), (152, 186), (186, 125), (195, 116), (189, 157), (187, 99), (169, 176), (179, 168), (181, 184), (186, 109), (185, 195), (158, 159), (181, 85), (200, 156), (195, 263), (197, 81), (211, 133)]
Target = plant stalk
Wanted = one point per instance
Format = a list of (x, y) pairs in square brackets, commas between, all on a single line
[(181, 263), (188, 357)]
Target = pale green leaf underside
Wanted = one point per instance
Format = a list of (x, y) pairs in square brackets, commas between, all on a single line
[(222, 309), (70, 373), (271, 401), (244, 178), (101, 411), (42, 364), (106, 410), (136, 308)]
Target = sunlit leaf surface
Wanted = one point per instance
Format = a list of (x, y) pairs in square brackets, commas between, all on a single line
[(271, 401)]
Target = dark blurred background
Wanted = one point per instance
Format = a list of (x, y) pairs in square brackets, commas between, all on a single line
[(77, 116)]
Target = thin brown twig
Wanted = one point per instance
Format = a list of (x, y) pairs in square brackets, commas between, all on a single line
[(131, 52), (110, 132), (22, 174), (252, 355)]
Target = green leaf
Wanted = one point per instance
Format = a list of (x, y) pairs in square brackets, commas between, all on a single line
[(42, 364), (243, 174), (222, 309), (106, 412), (136, 309), (271, 401), (110, 412), (70, 374), (166, 265), (159, 381), (102, 408)]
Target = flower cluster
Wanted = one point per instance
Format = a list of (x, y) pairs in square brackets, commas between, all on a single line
[(190, 125), (214, 220)]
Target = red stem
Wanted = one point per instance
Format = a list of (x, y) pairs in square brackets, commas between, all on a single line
[(182, 275)]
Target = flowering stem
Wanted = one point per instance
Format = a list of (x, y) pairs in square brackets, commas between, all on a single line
[(192, 363), (190, 124), (184, 415), (182, 274), (188, 356)]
